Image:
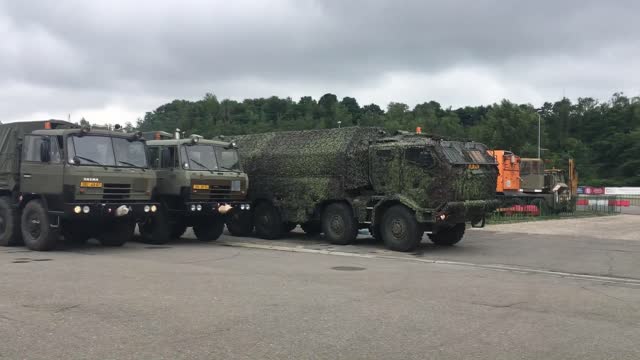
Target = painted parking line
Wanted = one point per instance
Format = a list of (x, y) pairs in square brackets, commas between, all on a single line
[(495, 267)]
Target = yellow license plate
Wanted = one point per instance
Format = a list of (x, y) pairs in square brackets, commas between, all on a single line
[(90, 184), (200, 187), (474, 166)]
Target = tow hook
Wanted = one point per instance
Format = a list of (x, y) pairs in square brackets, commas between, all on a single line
[(122, 210), (224, 208)]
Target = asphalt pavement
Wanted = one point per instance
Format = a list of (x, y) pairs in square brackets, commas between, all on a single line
[(506, 292)]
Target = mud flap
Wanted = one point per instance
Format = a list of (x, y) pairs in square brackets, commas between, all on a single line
[(478, 222)]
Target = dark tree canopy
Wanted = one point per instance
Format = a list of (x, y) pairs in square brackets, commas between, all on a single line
[(603, 137)]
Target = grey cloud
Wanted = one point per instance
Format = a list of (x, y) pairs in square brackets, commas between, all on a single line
[(92, 50)]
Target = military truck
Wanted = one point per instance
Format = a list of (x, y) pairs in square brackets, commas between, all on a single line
[(525, 181), (199, 182), (57, 178), (337, 181)]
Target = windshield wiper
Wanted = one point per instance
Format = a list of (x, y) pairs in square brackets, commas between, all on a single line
[(199, 164), (226, 168), (89, 160), (130, 164)]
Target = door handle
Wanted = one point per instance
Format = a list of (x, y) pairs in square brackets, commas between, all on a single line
[(28, 176)]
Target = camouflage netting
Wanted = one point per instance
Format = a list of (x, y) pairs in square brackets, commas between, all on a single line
[(337, 153), (298, 169)]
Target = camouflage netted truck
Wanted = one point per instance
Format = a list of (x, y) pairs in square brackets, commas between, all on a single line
[(337, 181), (57, 178)]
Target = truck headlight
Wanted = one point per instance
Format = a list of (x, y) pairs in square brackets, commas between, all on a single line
[(154, 208), (199, 207), (77, 209), (85, 209), (193, 207), (147, 208)]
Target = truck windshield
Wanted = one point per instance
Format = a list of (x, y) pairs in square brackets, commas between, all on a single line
[(228, 159), (201, 157), (106, 151)]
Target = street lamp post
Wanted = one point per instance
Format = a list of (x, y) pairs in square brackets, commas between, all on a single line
[(538, 135)]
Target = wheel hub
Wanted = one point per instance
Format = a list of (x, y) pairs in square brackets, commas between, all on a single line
[(337, 224), (34, 226), (397, 228)]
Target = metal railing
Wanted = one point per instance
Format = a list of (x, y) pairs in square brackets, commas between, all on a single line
[(582, 206)]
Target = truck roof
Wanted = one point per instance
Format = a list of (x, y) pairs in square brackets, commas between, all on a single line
[(186, 141), (93, 131)]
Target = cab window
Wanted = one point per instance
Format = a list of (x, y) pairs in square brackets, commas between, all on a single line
[(154, 156), (420, 156), (31, 149), (169, 157)]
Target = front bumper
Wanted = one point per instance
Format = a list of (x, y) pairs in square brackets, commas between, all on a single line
[(200, 208), (123, 210), (472, 211)]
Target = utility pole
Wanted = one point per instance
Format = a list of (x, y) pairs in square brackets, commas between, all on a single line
[(539, 122)]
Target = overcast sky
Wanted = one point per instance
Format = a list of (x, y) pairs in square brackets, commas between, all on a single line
[(111, 61)]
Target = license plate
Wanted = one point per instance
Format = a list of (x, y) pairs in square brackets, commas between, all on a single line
[(200, 187), (474, 166), (90, 184)]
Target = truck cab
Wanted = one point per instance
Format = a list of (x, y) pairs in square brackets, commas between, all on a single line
[(74, 181), (200, 181)]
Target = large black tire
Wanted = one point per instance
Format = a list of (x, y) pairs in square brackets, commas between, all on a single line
[(240, 223), (448, 236), (399, 229), (36, 230), (10, 233), (117, 234), (311, 228), (338, 224), (210, 230), (288, 226), (267, 221), (177, 230), (156, 230), (75, 234)]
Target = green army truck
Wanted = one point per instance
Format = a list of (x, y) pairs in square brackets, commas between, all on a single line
[(337, 181), (200, 181), (57, 178)]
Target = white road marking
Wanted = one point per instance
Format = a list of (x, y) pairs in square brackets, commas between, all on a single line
[(496, 267)]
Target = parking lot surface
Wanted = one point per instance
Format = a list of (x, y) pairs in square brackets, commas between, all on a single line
[(525, 291)]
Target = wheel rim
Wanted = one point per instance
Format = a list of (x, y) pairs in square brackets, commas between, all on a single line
[(33, 225), (336, 224), (398, 228)]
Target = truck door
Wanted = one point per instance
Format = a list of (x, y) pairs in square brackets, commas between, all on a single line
[(41, 169), (166, 163), (386, 168)]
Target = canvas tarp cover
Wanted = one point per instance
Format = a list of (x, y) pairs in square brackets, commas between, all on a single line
[(10, 137)]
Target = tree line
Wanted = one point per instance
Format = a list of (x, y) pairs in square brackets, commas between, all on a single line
[(603, 137)]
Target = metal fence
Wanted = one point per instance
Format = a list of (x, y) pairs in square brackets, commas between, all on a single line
[(584, 205)]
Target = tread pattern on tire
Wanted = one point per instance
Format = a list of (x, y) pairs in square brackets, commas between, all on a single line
[(12, 232), (48, 237), (411, 234), (349, 223)]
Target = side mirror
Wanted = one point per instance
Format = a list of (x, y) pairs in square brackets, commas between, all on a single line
[(45, 150), (76, 160)]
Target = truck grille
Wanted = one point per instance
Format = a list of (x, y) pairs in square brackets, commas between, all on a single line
[(217, 192), (116, 191), (480, 186)]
